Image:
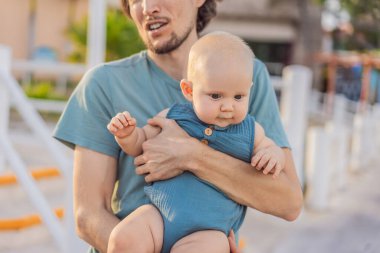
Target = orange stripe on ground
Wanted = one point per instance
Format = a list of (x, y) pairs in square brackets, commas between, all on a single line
[(26, 221), (36, 174)]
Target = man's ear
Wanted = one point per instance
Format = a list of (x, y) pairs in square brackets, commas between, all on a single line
[(187, 89)]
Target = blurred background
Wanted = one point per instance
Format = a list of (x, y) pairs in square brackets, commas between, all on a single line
[(323, 57)]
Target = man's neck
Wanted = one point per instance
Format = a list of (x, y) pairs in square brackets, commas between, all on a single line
[(175, 62)]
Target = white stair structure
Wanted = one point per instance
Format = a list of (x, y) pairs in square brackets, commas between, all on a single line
[(62, 234)]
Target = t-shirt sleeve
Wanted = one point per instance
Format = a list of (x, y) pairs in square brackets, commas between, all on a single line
[(87, 113), (264, 106)]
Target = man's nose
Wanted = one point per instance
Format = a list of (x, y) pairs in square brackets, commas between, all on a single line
[(150, 7)]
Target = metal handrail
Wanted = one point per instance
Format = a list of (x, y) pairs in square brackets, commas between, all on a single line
[(37, 125)]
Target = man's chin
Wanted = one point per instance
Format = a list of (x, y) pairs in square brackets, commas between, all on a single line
[(162, 49)]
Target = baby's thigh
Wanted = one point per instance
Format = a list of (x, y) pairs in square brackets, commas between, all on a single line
[(142, 226), (210, 241)]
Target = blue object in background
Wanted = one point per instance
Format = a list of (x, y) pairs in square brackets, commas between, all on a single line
[(349, 81), (44, 53), (375, 85)]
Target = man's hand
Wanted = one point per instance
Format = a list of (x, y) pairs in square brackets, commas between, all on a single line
[(165, 155)]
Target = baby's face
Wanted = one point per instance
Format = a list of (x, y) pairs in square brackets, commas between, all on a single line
[(221, 95)]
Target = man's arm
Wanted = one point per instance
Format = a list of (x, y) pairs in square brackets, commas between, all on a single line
[(173, 151), (94, 180), (250, 187)]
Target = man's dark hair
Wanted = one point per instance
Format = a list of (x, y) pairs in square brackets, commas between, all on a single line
[(205, 13)]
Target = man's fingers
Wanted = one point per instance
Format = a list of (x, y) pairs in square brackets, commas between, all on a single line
[(158, 121), (140, 160)]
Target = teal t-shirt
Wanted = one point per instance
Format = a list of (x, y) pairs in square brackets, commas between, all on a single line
[(136, 84)]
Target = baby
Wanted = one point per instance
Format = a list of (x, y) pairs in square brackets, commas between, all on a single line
[(186, 208)]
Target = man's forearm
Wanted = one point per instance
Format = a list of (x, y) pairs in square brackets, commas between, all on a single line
[(93, 181), (94, 230), (281, 197)]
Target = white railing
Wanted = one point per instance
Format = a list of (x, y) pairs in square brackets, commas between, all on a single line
[(294, 104), (348, 140), (64, 236)]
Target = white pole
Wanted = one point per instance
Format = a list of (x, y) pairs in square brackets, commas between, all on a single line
[(339, 137), (96, 34), (5, 65), (318, 168), (35, 195), (36, 123), (33, 119), (359, 153), (294, 108), (376, 115)]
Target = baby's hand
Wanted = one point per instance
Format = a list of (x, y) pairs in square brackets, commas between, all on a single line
[(270, 160), (122, 125)]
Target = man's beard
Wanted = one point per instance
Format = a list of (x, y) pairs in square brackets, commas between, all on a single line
[(174, 43)]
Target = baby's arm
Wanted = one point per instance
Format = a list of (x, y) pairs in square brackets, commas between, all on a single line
[(128, 136), (267, 156)]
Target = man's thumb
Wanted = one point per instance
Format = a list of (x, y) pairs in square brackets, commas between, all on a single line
[(157, 121)]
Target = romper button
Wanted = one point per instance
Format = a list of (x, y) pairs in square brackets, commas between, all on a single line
[(204, 141), (208, 131)]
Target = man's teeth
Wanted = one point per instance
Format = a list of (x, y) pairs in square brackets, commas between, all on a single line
[(155, 26)]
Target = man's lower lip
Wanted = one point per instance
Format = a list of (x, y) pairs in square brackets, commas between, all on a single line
[(156, 32)]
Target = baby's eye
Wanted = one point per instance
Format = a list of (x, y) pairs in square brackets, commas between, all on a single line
[(238, 97), (215, 96)]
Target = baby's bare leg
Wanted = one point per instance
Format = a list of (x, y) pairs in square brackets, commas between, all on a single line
[(140, 232), (206, 241)]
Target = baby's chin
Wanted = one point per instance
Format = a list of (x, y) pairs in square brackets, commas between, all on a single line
[(225, 122)]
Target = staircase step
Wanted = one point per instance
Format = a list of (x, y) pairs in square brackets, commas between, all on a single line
[(25, 221), (32, 240), (38, 174)]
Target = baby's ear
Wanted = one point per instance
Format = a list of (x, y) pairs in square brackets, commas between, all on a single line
[(187, 89)]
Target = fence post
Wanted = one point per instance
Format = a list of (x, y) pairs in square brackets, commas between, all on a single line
[(340, 134), (294, 109), (5, 65), (360, 148), (376, 115), (96, 32), (318, 168)]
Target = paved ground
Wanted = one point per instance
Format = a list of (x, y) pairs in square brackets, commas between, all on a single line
[(351, 224)]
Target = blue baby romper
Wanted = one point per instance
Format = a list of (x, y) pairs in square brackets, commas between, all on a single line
[(188, 204)]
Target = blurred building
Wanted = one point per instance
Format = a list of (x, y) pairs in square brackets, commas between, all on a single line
[(280, 32), (35, 28)]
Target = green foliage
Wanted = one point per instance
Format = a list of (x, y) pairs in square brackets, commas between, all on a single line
[(359, 8), (77, 34), (42, 90), (122, 37)]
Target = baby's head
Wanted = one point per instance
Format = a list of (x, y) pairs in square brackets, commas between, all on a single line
[(219, 78)]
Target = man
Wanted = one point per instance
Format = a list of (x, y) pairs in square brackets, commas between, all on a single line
[(144, 84)]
